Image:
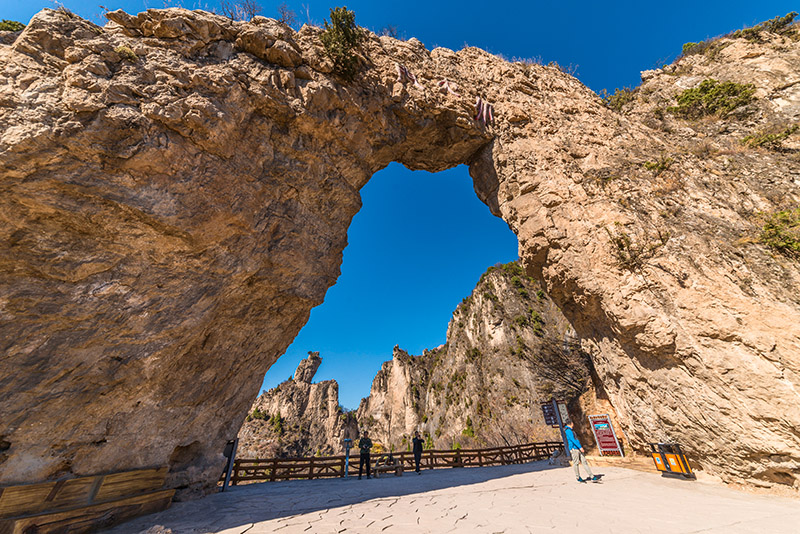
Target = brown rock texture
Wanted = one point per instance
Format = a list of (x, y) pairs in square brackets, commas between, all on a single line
[(508, 349), (175, 191), (297, 418)]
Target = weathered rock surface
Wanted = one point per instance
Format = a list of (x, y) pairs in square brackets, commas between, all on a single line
[(174, 204), (297, 418), (508, 348)]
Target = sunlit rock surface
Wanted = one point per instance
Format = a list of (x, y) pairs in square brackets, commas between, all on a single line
[(297, 418), (175, 191)]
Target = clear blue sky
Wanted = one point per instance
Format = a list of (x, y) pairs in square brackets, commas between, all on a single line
[(421, 241)]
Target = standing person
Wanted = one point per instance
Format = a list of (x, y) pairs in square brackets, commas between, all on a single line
[(417, 448), (364, 444), (576, 450)]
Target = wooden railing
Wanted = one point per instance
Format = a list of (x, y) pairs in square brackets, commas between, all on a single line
[(272, 469)]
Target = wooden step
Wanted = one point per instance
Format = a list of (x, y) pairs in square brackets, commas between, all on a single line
[(89, 518), (82, 504), (66, 494)]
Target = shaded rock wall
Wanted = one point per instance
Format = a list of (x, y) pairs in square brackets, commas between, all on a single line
[(176, 189)]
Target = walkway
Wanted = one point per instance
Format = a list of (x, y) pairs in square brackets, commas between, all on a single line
[(531, 498)]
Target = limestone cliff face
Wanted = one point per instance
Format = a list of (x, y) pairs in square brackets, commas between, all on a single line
[(508, 349), (176, 190), (297, 418)]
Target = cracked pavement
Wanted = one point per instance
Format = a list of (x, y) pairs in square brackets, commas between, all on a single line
[(529, 498)]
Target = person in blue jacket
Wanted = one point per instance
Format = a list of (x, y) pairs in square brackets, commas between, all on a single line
[(576, 450)]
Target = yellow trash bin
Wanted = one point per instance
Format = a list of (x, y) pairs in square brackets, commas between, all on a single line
[(669, 458)]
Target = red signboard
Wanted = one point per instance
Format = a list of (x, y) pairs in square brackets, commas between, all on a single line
[(604, 435)]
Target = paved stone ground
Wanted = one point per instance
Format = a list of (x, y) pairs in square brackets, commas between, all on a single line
[(530, 498)]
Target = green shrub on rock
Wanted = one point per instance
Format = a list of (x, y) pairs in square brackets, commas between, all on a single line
[(11, 26), (781, 232), (778, 25), (618, 98), (712, 97), (277, 423), (660, 165), (469, 431), (126, 52), (771, 139), (257, 413), (340, 40)]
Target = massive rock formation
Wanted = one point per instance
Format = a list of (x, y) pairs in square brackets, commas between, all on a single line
[(508, 349), (297, 418), (176, 190)]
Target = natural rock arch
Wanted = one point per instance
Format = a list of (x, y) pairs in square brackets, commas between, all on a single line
[(177, 187)]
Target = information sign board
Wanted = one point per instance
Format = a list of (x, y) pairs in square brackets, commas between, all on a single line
[(605, 436), (549, 412), (562, 409)]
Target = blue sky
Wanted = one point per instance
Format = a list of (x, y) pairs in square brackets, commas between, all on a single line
[(421, 241)]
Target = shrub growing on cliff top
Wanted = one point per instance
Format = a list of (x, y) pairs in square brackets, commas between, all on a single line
[(340, 40), (687, 47), (11, 26), (240, 9), (712, 97), (781, 231), (618, 98), (286, 15), (777, 25), (709, 48)]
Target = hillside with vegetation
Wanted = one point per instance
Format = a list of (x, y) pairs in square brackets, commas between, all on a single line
[(508, 349)]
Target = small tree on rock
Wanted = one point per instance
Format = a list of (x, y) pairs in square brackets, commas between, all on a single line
[(240, 9), (340, 40), (286, 15)]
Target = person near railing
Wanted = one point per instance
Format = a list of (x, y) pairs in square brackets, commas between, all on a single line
[(577, 452), (417, 449), (365, 445)]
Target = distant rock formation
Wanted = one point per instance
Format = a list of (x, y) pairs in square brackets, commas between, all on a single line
[(297, 418), (508, 349), (307, 368)]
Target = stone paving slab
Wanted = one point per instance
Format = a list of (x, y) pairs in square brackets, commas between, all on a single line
[(531, 498)]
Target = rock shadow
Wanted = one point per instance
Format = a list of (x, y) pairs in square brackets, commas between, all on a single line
[(239, 506)]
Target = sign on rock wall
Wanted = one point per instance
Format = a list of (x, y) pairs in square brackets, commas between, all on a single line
[(549, 412), (605, 436)]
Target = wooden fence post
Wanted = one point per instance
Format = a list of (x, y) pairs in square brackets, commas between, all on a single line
[(235, 474)]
